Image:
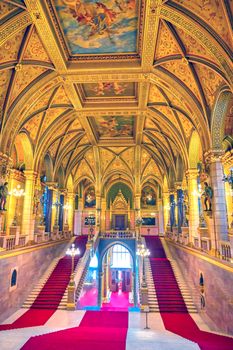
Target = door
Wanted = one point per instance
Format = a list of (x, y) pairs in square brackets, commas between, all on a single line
[(120, 222)]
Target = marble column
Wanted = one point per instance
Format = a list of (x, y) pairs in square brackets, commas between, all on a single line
[(219, 209), (193, 204), (166, 208), (161, 216), (103, 215), (28, 221), (70, 211)]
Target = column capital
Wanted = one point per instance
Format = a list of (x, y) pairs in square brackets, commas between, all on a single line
[(213, 155), (192, 173), (178, 185), (52, 185), (30, 174)]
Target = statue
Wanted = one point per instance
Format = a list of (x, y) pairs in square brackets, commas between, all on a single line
[(3, 195), (208, 195)]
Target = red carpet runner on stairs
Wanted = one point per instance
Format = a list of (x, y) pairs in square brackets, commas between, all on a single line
[(51, 294), (171, 304), (98, 330)]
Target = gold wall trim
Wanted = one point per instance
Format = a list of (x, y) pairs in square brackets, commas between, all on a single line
[(13, 26), (200, 255)]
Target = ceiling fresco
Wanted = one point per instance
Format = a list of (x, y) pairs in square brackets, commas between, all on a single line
[(113, 126), (109, 89), (126, 80), (94, 27)]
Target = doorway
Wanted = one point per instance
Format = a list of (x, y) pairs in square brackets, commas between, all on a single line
[(117, 293), (120, 222)]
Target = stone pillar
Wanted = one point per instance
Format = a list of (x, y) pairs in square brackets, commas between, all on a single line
[(161, 217), (100, 288), (28, 221), (103, 215), (70, 211), (179, 206), (219, 209), (97, 214), (193, 204), (166, 208)]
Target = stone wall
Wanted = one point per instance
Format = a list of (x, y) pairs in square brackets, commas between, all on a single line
[(30, 266), (218, 283)]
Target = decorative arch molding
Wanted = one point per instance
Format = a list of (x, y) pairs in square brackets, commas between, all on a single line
[(218, 117), (11, 27), (175, 16), (195, 148), (106, 244), (27, 148), (78, 181), (113, 191), (18, 113), (48, 167)]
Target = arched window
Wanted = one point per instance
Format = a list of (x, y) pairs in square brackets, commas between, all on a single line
[(14, 278), (120, 257)]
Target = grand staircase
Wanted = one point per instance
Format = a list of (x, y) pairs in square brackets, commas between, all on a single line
[(51, 290), (167, 290)]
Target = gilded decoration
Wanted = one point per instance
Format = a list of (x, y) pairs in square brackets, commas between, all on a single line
[(6, 9), (210, 82), (166, 44), (212, 12), (192, 46), (10, 49), (24, 77), (61, 97), (155, 95), (35, 49), (181, 71)]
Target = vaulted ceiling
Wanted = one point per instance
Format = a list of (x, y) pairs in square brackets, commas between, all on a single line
[(103, 86)]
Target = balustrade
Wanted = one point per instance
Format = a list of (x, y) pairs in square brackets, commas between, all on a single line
[(118, 234)]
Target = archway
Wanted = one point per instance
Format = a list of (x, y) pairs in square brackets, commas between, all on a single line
[(117, 276)]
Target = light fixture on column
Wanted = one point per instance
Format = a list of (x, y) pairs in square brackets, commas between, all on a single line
[(144, 253), (72, 252), (71, 286), (17, 192), (229, 178)]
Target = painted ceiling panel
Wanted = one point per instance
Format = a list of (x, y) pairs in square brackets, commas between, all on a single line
[(114, 32)]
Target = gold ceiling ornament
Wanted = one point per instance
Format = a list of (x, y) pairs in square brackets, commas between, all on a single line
[(13, 26), (38, 15), (200, 34)]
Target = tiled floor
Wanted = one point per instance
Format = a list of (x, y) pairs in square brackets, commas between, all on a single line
[(156, 338)]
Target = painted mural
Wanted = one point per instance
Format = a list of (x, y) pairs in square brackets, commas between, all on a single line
[(109, 89), (90, 200), (148, 197), (114, 126), (99, 27)]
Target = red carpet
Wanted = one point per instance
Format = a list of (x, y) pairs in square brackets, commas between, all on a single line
[(119, 301), (99, 330), (174, 313), (51, 294)]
